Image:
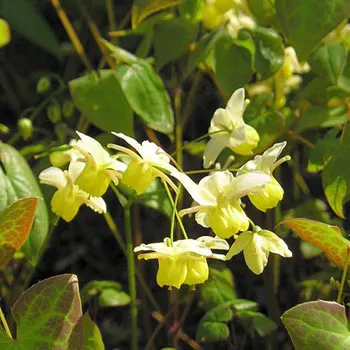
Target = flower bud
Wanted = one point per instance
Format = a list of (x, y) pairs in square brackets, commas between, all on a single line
[(138, 175), (4, 129), (43, 85), (67, 109), (5, 33), (25, 128), (252, 140), (59, 158), (54, 113), (269, 197), (212, 19)]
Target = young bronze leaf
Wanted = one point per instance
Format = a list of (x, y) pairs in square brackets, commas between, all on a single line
[(326, 237), (317, 325), (15, 224)]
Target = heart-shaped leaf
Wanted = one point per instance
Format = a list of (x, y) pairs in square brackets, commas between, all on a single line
[(326, 237), (317, 325), (48, 315), (102, 101), (305, 23), (15, 224)]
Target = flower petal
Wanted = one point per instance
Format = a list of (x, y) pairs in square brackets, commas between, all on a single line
[(54, 177), (247, 183), (235, 105), (241, 242), (96, 204), (271, 242), (214, 242), (271, 154), (214, 147), (132, 142), (255, 257)]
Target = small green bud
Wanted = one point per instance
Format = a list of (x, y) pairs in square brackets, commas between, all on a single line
[(43, 85), (4, 129), (67, 108), (62, 131), (54, 113), (25, 128)]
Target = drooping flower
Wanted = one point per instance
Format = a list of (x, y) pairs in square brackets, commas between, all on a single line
[(218, 198), (68, 198), (99, 167), (144, 167), (184, 261), (256, 248), (227, 129), (272, 193)]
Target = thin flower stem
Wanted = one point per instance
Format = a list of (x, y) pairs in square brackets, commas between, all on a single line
[(131, 274), (4, 323), (172, 225), (175, 209), (343, 277)]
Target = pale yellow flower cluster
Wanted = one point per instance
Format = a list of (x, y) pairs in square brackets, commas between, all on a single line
[(217, 196)]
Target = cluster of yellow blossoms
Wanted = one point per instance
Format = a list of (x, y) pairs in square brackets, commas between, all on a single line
[(217, 196)]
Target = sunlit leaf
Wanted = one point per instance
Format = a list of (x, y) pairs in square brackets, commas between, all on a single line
[(20, 182), (305, 23), (146, 94), (24, 17), (102, 101), (317, 325), (144, 8), (326, 237), (92, 339), (15, 224)]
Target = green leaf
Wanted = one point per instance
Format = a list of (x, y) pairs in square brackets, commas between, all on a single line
[(336, 176), (15, 224), (5, 33), (233, 63), (269, 51), (21, 182), (92, 339), (191, 9), (264, 11), (24, 17), (305, 23), (326, 237), (155, 197), (113, 298), (212, 326), (323, 151), (144, 8), (202, 49), (317, 325), (146, 94), (256, 321), (218, 289), (102, 101), (46, 315), (110, 293), (319, 116), (172, 39), (332, 61)]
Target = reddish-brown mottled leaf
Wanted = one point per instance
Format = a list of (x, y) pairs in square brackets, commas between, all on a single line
[(15, 224), (326, 237)]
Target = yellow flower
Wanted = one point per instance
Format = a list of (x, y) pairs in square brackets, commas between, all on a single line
[(271, 193), (144, 167), (67, 200), (99, 167), (227, 129), (218, 198), (256, 248), (184, 261)]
